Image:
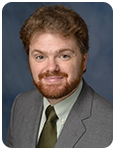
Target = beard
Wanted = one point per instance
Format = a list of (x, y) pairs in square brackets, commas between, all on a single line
[(58, 90)]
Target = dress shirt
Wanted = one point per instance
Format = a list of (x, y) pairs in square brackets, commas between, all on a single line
[(62, 110)]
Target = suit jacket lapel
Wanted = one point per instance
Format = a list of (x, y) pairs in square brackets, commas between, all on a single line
[(74, 127), (72, 131), (32, 121)]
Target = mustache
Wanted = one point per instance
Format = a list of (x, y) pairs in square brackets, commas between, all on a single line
[(61, 74)]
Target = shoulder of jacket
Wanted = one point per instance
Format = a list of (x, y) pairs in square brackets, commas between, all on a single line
[(101, 101), (27, 99)]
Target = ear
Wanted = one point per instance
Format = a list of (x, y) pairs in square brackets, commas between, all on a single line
[(85, 61)]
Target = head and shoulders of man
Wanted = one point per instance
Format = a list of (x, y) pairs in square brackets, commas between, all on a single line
[(56, 41)]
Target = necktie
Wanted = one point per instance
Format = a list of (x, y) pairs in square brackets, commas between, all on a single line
[(48, 136)]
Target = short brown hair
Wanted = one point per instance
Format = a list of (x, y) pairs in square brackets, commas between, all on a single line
[(56, 19)]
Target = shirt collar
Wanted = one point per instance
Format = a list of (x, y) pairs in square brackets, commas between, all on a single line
[(63, 108)]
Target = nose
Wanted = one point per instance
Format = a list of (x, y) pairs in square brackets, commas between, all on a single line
[(52, 66)]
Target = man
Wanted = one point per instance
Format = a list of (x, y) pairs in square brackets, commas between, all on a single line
[(67, 113)]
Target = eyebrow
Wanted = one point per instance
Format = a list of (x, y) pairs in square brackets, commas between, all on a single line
[(58, 51)]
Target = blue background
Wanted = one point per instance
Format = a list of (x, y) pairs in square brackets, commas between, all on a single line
[(16, 77)]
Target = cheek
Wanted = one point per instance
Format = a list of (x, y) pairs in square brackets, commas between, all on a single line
[(73, 69), (72, 73), (70, 69), (35, 70)]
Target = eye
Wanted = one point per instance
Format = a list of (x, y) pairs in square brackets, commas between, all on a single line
[(65, 57), (40, 58)]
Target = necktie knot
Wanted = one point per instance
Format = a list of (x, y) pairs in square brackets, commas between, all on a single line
[(50, 114)]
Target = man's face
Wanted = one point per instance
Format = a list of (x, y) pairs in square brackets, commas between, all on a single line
[(56, 64)]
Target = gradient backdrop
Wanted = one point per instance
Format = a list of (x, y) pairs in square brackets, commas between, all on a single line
[(15, 73)]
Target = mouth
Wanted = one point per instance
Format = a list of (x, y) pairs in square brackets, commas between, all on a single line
[(53, 79)]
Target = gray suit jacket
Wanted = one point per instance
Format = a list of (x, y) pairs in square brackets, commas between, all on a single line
[(89, 124)]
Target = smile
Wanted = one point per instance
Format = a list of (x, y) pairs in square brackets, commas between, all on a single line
[(53, 79)]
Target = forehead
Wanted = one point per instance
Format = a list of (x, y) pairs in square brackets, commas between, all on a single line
[(52, 42)]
